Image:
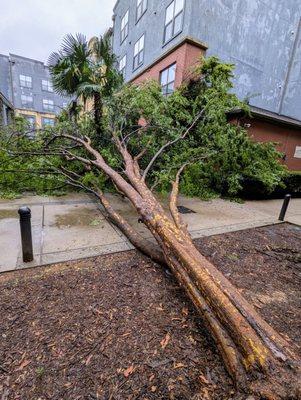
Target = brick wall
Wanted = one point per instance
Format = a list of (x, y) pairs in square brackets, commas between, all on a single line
[(286, 138), (185, 56)]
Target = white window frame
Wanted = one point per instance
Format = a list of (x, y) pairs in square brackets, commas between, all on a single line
[(139, 52), (26, 101), (122, 65), (25, 81), (140, 9), (124, 27), (48, 105), (47, 85), (176, 13), (166, 91)]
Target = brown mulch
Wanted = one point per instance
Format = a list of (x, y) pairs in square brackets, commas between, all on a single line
[(119, 327)]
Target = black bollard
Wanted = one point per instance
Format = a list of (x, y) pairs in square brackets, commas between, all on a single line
[(284, 207), (26, 237)]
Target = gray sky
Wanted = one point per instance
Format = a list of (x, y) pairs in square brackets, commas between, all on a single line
[(35, 28)]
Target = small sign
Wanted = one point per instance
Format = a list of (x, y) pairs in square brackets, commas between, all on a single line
[(297, 152)]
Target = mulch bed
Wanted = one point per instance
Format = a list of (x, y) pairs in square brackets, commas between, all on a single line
[(119, 326)]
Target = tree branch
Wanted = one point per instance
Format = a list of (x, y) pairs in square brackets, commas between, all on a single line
[(174, 200), (170, 143)]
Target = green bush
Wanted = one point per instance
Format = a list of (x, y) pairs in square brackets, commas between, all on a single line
[(254, 189)]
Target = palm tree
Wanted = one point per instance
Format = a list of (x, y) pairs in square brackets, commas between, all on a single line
[(85, 70)]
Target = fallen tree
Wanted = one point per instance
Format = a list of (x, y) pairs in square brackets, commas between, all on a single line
[(260, 361)]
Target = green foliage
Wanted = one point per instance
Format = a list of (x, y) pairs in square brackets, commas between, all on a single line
[(82, 68), (234, 156), (220, 156), (22, 173)]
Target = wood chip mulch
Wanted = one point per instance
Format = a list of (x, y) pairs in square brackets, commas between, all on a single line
[(119, 327)]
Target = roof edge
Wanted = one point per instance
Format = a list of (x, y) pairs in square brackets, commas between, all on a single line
[(27, 58), (268, 116), (116, 4)]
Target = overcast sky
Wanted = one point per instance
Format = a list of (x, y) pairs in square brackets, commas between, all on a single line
[(35, 28)]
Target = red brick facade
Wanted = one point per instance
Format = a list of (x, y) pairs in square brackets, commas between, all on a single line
[(288, 139), (185, 55)]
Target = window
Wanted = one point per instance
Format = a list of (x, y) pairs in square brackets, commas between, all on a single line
[(124, 26), (48, 122), (122, 65), (25, 81), (173, 19), (48, 105), (138, 53), (167, 79), (141, 8), (47, 85), (27, 101), (31, 119)]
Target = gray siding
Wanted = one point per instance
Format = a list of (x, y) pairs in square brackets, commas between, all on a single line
[(5, 79), (11, 69), (152, 24), (261, 37)]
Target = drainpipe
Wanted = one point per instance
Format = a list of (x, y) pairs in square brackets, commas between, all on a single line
[(289, 68)]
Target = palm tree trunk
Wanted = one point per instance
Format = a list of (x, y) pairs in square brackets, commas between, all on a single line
[(98, 113)]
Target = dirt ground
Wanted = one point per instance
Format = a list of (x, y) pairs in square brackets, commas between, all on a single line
[(119, 327)]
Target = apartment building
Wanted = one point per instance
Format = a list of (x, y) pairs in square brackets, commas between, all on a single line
[(163, 39), (26, 83)]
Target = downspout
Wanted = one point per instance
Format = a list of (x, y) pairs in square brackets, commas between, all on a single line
[(289, 68)]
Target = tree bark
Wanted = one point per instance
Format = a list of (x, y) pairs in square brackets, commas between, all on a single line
[(98, 112), (258, 359)]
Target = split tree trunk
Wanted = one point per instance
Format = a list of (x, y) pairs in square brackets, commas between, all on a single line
[(258, 359)]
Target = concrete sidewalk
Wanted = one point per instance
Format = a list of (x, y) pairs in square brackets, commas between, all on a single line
[(73, 227)]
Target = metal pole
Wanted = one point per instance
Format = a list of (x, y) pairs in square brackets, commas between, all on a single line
[(26, 237), (284, 207)]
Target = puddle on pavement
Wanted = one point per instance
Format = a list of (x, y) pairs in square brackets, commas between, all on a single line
[(80, 217), (8, 214)]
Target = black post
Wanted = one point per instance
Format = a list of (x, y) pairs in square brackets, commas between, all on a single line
[(26, 237), (284, 207)]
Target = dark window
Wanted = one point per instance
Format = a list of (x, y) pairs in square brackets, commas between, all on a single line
[(124, 26), (25, 81), (48, 105), (138, 53), (47, 86), (122, 65), (167, 79), (173, 19), (26, 101), (48, 121), (141, 8)]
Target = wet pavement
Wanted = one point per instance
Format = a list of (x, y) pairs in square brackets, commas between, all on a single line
[(73, 226)]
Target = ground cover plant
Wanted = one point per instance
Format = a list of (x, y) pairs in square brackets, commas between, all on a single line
[(147, 142)]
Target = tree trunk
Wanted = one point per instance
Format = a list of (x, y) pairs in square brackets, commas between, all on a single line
[(258, 359), (98, 113)]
